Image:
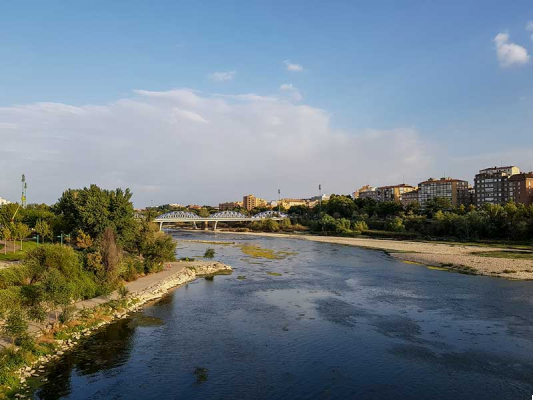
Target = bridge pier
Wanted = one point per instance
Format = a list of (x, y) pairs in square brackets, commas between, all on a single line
[(215, 226), (160, 226), (194, 224)]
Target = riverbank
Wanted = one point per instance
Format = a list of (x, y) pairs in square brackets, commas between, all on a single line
[(94, 313), (456, 257)]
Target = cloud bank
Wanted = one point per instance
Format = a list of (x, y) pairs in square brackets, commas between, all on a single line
[(188, 147), (510, 54)]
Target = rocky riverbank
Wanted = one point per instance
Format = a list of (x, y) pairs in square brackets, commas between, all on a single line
[(95, 313)]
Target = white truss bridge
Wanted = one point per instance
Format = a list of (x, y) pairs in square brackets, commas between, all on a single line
[(223, 216)]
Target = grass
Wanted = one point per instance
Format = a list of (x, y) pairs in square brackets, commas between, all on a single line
[(260, 252), (509, 254), (19, 254), (274, 274)]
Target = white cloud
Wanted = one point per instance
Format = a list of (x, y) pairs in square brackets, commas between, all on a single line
[(184, 146), (529, 28), (292, 91), (293, 67), (509, 54), (222, 76)]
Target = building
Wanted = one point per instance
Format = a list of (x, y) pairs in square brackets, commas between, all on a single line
[(492, 184), (369, 193), (4, 201), (521, 188), (250, 202), (230, 205), (394, 192), (411, 197), (288, 203), (365, 188), (455, 190)]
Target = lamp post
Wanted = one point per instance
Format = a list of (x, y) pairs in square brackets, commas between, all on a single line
[(62, 236), (37, 238), (279, 201), (320, 199)]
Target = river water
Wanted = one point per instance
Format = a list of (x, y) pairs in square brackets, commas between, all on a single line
[(304, 320)]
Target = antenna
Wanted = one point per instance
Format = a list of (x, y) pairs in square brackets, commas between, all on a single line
[(24, 188)]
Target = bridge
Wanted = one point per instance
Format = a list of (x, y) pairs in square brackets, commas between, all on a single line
[(223, 216)]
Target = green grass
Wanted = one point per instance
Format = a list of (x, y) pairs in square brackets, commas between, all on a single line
[(515, 255), (19, 254)]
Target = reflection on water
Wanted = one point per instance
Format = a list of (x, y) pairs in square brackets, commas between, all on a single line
[(330, 322)]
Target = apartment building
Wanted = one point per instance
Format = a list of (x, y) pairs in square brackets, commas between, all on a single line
[(521, 188), (363, 189), (492, 184), (394, 192), (410, 197), (369, 192), (250, 202), (230, 205), (4, 201), (455, 190)]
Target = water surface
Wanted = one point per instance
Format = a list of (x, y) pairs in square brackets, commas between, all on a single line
[(316, 321)]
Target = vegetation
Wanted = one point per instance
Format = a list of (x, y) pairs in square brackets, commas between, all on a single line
[(109, 247), (209, 253), (342, 215)]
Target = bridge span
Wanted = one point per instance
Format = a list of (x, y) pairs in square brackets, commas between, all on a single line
[(223, 216)]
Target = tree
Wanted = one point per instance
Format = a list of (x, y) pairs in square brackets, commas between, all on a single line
[(16, 326), (209, 253), (340, 207), (436, 204), (110, 253), (22, 231), (43, 229), (5, 234), (92, 210)]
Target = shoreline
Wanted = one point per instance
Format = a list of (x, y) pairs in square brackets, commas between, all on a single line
[(95, 313), (453, 257)]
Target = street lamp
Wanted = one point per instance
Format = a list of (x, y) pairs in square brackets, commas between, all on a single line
[(320, 198), (279, 201), (37, 238)]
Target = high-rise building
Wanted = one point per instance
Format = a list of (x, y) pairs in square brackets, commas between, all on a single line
[(250, 202), (521, 188), (492, 184), (454, 190), (367, 192), (394, 192), (358, 192), (411, 197)]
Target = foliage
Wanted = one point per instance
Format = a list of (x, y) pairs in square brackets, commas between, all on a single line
[(15, 326), (43, 229), (209, 253), (92, 210)]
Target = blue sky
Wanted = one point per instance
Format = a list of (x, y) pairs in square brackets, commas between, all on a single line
[(426, 66)]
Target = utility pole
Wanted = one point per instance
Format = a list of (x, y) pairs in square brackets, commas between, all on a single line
[(320, 199), (279, 201)]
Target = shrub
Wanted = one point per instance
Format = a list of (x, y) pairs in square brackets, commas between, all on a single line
[(209, 253), (67, 314), (123, 291)]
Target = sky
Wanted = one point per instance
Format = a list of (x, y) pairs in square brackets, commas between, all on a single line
[(203, 102)]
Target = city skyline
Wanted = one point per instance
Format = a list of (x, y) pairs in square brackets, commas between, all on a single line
[(382, 94)]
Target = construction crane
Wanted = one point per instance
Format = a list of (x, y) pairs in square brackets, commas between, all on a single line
[(22, 198)]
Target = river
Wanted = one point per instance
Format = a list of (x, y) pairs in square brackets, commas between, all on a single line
[(305, 320)]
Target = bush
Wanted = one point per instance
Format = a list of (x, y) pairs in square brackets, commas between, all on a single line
[(209, 253), (67, 314), (123, 291), (360, 226)]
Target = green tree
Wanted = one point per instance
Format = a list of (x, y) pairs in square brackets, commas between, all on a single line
[(43, 229), (340, 207), (22, 231), (16, 326)]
